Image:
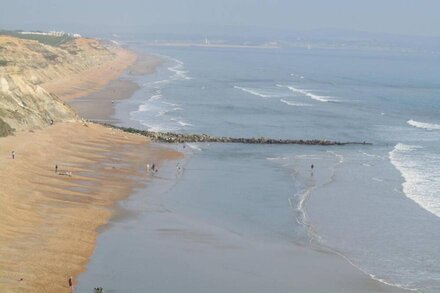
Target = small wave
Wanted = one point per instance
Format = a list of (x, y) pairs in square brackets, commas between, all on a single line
[(156, 83), (255, 92), (297, 76), (155, 97), (376, 179), (156, 128), (193, 146), (164, 112), (178, 70), (421, 172), (310, 95), (184, 124), (276, 158), (424, 125), (144, 108), (294, 104), (171, 104)]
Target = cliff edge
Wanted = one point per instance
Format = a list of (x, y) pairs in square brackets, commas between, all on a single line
[(25, 65)]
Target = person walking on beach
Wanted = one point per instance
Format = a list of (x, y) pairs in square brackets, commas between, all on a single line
[(13, 155), (56, 168), (311, 169), (71, 284)]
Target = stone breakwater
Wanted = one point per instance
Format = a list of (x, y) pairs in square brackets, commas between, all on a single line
[(169, 137)]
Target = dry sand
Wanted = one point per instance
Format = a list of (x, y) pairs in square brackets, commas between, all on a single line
[(88, 81), (49, 222)]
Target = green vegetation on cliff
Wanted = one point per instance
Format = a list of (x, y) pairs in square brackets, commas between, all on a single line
[(44, 39)]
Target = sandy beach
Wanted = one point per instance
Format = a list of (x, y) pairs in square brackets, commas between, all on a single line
[(90, 80), (64, 185), (99, 105), (49, 217)]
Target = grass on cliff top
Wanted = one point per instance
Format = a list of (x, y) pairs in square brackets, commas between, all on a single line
[(47, 40)]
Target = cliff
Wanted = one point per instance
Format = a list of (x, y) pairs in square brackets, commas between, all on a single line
[(26, 65)]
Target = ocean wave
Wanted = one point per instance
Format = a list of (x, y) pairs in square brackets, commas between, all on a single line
[(157, 127), (277, 158), (194, 146), (144, 108), (297, 76), (167, 111), (258, 92), (171, 104), (184, 124), (155, 97), (290, 103), (310, 94), (421, 172), (157, 82), (178, 70), (424, 125)]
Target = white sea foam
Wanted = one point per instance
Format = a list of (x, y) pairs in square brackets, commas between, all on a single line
[(309, 94), (290, 103), (424, 125), (194, 146), (178, 70), (184, 124), (297, 76), (167, 111), (257, 92), (155, 128), (276, 158), (171, 104), (157, 83), (421, 171), (144, 108), (155, 97)]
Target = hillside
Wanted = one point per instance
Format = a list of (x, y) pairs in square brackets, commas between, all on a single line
[(25, 65)]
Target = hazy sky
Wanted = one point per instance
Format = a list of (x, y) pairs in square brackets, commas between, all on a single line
[(415, 17)]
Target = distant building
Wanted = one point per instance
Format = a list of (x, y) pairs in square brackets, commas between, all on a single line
[(52, 33)]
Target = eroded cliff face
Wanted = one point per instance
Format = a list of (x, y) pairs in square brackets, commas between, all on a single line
[(25, 65)]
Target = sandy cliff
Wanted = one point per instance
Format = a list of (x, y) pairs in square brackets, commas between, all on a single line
[(26, 66)]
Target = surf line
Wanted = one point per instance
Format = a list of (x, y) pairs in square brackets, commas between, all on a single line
[(170, 137)]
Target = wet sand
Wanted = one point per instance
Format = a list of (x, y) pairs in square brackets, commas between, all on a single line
[(99, 105), (49, 221), (214, 232)]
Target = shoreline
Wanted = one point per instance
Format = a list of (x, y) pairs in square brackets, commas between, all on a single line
[(50, 219), (108, 165), (100, 105)]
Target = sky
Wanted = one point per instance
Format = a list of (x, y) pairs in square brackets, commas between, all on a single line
[(406, 17)]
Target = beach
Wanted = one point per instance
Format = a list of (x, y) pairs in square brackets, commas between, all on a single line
[(78, 200), (63, 184)]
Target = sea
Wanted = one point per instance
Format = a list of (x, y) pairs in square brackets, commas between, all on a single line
[(375, 206)]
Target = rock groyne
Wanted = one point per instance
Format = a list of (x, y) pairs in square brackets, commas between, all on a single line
[(169, 137)]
